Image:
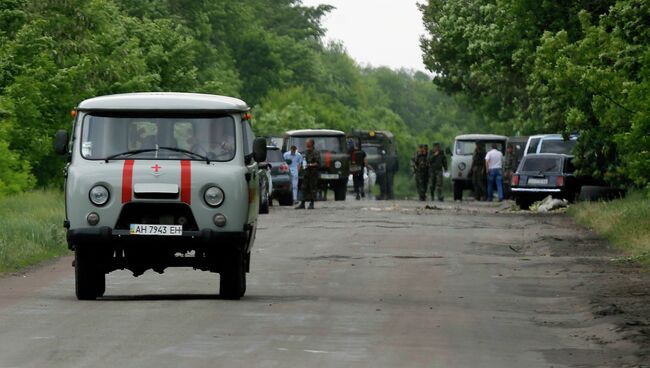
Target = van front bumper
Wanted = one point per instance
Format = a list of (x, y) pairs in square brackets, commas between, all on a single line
[(105, 235)]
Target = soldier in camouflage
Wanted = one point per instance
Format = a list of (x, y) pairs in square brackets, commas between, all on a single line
[(509, 168), (311, 163), (420, 167), (437, 165), (477, 172)]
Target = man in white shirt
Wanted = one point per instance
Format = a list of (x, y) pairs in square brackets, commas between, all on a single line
[(294, 160), (495, 173)]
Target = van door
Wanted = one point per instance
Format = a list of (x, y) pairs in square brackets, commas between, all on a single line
[(253, 172)]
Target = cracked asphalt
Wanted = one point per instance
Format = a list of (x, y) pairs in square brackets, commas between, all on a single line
[(353, 284)]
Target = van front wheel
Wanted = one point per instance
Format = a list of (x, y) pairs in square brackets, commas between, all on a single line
[(232, 283), (90, 279)]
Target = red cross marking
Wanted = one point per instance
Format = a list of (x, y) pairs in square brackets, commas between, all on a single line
[(156, 168)]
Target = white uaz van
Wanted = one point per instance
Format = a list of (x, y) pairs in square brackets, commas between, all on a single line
[(159, 180)]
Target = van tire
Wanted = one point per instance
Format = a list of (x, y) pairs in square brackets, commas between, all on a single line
[(458, 190), (264, 205), (90, 279), (232, 283), (341, 191)]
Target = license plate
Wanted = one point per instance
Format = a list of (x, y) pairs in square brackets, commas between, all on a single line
[(160, 230), (329, 176), (533, 181)]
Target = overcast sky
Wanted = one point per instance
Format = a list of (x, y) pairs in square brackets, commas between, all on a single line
[(377, 32)]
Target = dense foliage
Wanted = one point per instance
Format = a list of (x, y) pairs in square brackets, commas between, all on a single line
[(553, 66), (55, 53)]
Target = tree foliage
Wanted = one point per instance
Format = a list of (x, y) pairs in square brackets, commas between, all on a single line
[(552, 66), (54, 53)]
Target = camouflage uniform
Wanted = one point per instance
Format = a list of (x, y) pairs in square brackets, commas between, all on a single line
[(311, 176), (509, 168), (478, 174), (437, 164), (421, 171)]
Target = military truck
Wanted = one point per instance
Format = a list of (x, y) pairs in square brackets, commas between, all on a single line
[(381, 150), (461, 159), (159, 180), (335, 160)]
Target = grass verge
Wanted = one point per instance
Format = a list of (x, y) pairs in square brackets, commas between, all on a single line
[(624, 222), (31, 229)]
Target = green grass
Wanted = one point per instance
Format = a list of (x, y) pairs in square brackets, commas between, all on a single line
[(624, 222), (31, 229)]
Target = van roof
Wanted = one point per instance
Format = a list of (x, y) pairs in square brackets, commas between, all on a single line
[(480, 137), (167, 101), (315, 132)]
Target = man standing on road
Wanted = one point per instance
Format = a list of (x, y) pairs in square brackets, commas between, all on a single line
[(437, 164), (495, 173), (421, 171), (509, 168), (311, 163), (293, 158), (358, 162), (477, 172)]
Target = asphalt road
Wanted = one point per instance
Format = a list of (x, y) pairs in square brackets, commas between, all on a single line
[(354, 284)]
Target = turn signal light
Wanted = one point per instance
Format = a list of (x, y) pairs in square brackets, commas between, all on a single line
[(559, 181), (515, 180), (284, 168)]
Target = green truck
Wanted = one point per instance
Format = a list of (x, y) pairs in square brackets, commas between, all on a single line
[(381, 150)]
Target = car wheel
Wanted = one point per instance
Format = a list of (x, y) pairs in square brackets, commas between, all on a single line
[(458, 190), (264, 201), (232, 283), (286, 200), (90, 280), (523, 202)]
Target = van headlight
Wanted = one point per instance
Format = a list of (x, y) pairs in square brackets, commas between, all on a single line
[(99, 195), (214, 196)]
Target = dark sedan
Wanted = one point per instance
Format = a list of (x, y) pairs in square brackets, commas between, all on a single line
[(280, 176), (544, 174)]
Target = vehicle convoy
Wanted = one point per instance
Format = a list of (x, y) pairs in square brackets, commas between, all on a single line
[(335, 160), (542, 174), (159, 180), (461, 159), (381, 151)]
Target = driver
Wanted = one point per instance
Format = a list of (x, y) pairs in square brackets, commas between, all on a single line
[(218, 143)]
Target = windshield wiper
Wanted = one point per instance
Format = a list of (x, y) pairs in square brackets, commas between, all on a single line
[(129, 153), (187, 152), (135, 152)]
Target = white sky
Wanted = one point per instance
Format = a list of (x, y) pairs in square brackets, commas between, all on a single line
[(377, 32)]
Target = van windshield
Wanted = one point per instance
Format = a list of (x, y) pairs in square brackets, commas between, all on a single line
[(151, 136), (329, 143)]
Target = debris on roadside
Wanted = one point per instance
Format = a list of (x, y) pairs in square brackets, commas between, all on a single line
[(549, 204)]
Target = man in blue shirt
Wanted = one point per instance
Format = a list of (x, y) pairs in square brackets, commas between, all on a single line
[(293, 158)]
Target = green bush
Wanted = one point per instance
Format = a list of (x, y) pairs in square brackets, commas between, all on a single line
[(31, 229)]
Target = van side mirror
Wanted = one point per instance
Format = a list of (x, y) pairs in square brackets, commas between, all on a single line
[(61, 142), (259, 150), (448, 151)]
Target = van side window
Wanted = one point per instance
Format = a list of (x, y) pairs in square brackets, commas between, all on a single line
[(249, 137)]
